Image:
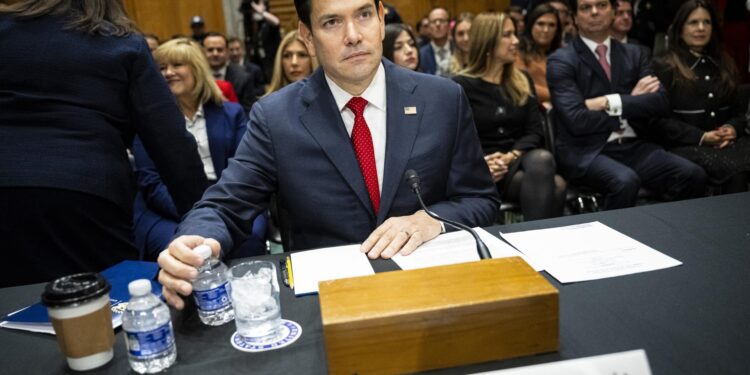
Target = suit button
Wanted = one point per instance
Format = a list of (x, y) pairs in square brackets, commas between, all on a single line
[(707, 78), (501, 130), (710, 95), (713, 114)]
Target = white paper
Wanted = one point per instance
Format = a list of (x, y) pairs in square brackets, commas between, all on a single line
[(588, 251), (452, 248), (632, 362), (312, 266)]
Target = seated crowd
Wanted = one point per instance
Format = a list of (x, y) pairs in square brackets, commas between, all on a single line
[(620, 120), (561, 97)]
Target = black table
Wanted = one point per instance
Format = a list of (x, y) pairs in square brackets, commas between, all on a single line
[(691, 319)]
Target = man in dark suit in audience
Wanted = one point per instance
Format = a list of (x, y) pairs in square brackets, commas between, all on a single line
[(237, 57), (217, 53), (334, 148), (623, 23), (604, 93), (435, 56)]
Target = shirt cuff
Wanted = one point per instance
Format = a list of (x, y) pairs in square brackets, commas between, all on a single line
[(442, 227), (615, 105)]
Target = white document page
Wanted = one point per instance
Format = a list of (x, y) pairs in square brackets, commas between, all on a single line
[(632, 362), (452, 248), (312, 266), (588, 251)]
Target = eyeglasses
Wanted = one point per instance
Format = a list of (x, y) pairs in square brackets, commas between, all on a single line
[(439, 21)]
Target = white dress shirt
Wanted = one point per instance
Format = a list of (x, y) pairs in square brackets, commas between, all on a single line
[(221, 73), (443, 65), (375, 115), (197, 127), (615, 102)]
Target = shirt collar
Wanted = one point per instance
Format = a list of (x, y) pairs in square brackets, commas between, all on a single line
[(374, 94), (438, 48), (198, 114), (222, 71), (592, 44)]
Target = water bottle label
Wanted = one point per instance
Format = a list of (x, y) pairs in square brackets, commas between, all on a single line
[(147, 344), (212, 299)]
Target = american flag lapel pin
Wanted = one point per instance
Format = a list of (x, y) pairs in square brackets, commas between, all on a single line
[(410, 111)]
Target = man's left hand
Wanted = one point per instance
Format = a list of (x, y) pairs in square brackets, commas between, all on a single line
[(401, 234)]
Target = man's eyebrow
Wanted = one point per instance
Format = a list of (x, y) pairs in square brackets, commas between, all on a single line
[(336, 15)]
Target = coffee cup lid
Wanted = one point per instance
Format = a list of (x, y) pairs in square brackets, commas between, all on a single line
[(73, 289)]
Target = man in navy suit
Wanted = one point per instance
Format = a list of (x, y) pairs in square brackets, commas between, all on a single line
[(603, 94), (435, 56), (334, 149)]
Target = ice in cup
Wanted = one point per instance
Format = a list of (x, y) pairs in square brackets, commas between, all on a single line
[(79, 309), (255, 296)]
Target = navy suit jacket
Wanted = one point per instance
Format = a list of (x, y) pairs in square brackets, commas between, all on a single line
[(225, 127), (297, 147), (574, 75), (427, 62)]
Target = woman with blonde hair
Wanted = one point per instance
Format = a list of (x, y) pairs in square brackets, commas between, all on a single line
[(461, 35), (508, 121), (218, 128), (293, 63)]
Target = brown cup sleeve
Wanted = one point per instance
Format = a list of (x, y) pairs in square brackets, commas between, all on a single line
[(85, 335)]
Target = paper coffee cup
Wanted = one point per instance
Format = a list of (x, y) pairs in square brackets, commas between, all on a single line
[(79, 309)]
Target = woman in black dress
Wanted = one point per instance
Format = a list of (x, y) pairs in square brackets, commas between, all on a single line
[(706, 121), (508, 120)]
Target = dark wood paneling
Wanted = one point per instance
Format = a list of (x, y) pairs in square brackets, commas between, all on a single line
[(168, 17)]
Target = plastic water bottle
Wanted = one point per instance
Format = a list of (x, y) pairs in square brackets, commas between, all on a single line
[(211, 290), (148, 330)]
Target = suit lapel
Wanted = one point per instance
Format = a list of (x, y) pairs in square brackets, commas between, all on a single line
[(322, 120), (617, 60), (401, 132), (214, 127), (589, 59)]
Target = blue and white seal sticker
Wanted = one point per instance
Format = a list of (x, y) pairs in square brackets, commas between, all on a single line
[(289, 332)]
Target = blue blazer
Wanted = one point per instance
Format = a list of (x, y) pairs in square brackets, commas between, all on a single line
[(574, 75), (427, 62), (225, 127), (297, 147)]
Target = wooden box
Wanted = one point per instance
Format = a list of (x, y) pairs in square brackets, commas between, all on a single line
[(438, 317)]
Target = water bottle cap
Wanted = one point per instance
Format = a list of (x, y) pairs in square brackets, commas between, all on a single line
[(139, 287), (204, 251)]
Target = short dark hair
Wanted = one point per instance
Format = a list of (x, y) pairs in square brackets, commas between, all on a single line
[(574, 6), (215, 33), (234, 39), (303, 10)]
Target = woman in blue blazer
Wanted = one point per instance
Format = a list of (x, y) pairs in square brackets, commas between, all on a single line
[(218, 127)]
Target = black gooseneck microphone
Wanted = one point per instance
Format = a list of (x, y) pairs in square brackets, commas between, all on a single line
[(412, 178)]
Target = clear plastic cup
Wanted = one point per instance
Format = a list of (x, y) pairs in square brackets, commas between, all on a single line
[(255, 296)]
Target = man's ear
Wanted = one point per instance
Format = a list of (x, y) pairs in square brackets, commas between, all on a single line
[(305, 34)]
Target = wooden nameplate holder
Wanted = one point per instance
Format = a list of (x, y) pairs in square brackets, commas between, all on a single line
[(438, 317)]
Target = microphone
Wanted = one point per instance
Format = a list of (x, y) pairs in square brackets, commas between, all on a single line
[(412, 179)]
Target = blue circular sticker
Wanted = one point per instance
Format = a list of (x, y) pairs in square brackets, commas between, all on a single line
[(289, 332)]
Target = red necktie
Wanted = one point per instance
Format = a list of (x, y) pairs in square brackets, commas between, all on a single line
[(601, 50), (362, 140)]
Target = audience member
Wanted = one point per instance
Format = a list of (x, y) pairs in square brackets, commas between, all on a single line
[(268, 36), (650, 18), (568, 26), (508, 120), (217, 127), (435, 56), (706, 124), (400, 46), (461, 38), (539, 40), (623, 23), (518, 14), (215, 48), (69, 112), (603, 94), (198, 26), (293, 63), (298, 147), (423, 32), (391, 15), (152, 41), (236, 50)]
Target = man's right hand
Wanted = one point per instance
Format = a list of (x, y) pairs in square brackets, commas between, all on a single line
[(178, 267), (647, 85)]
